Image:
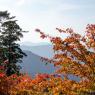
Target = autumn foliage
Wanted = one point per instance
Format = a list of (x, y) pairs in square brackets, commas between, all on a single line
[(74, 56)]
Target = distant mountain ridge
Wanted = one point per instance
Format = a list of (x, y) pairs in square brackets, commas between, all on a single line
[(41, 50), (35, 44)]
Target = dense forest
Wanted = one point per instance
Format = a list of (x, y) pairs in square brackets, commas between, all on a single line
[(74, 55)]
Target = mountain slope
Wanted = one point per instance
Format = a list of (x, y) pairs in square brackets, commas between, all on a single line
[(33, 64)]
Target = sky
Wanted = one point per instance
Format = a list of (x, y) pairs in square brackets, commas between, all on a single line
[(49, 14)]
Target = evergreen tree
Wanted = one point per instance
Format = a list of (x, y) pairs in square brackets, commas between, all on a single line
[(10, 33)]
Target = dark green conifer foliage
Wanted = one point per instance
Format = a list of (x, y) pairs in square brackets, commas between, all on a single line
[(10, 33)]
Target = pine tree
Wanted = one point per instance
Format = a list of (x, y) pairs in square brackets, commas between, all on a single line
[(10, 33)]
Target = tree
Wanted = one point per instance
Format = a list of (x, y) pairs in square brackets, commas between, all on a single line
[(74, 55), (11, 53)]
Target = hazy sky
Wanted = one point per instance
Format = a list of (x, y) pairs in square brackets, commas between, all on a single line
[(49, 14)]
